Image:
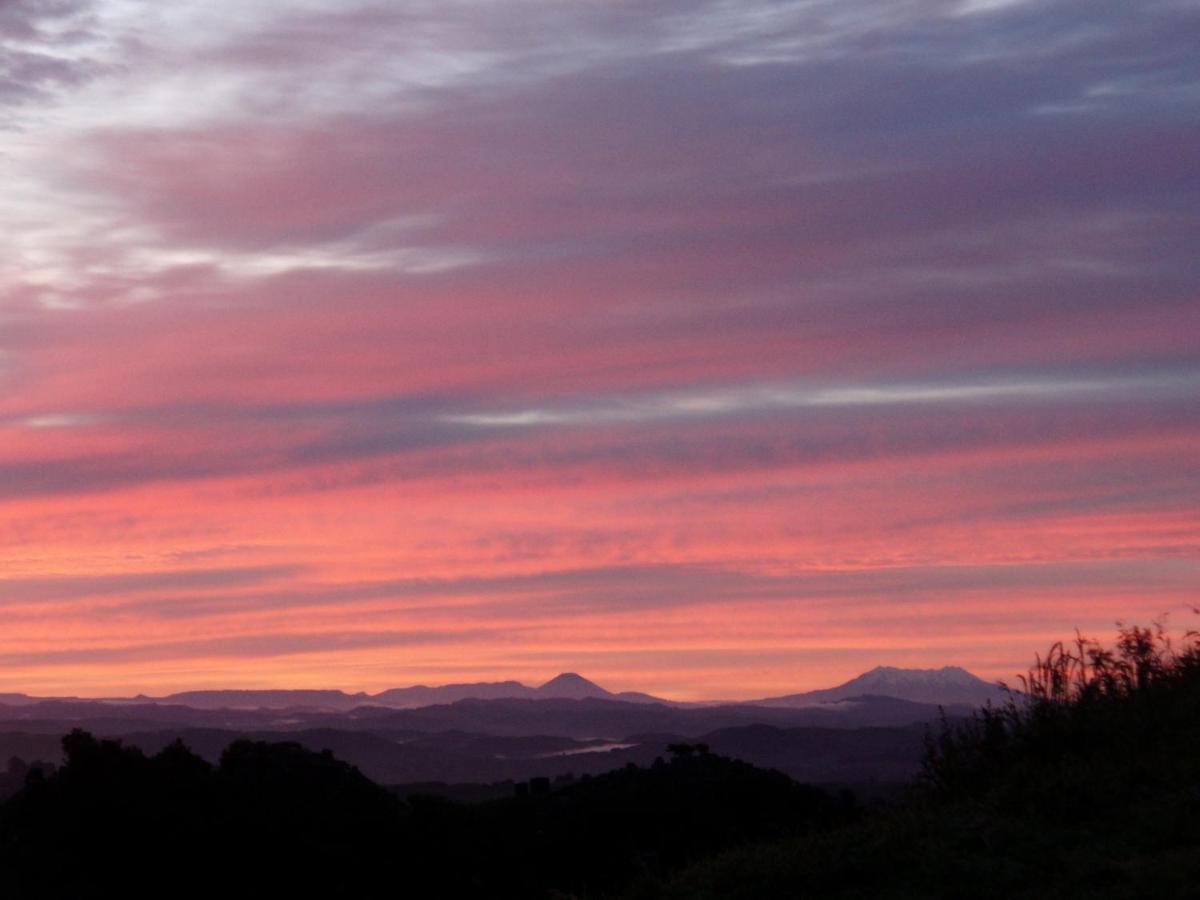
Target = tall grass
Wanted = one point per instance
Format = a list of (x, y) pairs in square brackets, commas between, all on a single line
[(1079, 696)]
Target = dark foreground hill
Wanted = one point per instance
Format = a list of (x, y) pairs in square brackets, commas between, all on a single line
[(275, 820), (1090, 788)]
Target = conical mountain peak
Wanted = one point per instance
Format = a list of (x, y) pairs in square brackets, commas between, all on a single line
[(949, 685), (571, 685)]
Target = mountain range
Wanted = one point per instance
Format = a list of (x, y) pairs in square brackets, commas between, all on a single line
[(567, 686), (947, 686)]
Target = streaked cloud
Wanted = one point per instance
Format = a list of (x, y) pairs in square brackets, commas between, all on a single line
[(695, 344), (786, 397)]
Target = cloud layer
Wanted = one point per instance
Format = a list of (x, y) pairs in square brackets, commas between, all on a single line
[(709, 347)]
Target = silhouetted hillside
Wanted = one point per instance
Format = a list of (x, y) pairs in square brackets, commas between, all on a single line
[(826, 755), (270, 817), (599, 833), (1087, 787), (273, 819)]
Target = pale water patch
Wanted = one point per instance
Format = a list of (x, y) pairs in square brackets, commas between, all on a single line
[(593, 748)]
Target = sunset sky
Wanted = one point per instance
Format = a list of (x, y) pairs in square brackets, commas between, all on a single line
[(716, 349)]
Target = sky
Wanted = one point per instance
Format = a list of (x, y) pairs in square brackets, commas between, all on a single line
[(713, 348)]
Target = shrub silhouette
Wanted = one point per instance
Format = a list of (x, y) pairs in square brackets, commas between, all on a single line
[(1079, 702)]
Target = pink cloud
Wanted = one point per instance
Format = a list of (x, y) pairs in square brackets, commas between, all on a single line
[(611, 355)]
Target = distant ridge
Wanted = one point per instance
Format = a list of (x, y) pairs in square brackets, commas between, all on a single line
[(565, 686), (19, 699), (950, 686), (947, 686), (424, 695), (249, 699)]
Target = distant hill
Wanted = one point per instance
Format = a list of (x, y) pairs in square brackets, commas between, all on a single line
[(424, 695), (482, 740), (389, 756), (297, 699), (599, 717), (17, 699), (567, 686), (947, 686), (950, 686)]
